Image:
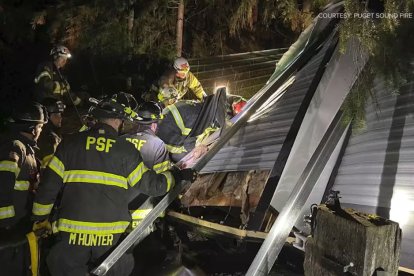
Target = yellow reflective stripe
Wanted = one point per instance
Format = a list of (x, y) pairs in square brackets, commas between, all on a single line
[(41, 75), (94, 177), (174, 149), (57, 89), (77, 101), (57, 166), (170, 180), (6, 212), (41, 209), (162, 167), (9, 166), (21, 185), (136, 175), (45, 161), (205, 134), (74, 226), (140, 213), (179, 120), (83, 128)]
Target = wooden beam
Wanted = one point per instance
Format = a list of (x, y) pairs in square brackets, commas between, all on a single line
[(406, 270), (218, 227)]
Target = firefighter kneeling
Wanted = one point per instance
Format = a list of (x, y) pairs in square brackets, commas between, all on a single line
[(98, 171)]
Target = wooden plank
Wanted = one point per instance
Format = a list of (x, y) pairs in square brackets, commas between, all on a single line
[(406, 270), (218, 227)]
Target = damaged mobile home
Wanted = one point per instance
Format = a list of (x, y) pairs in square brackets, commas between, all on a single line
[(289, 148)]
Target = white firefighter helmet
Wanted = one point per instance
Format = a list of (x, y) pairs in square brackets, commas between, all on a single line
[(60, 51), (181, 65)]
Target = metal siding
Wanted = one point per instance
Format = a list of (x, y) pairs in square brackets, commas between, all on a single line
[(257, 145), (364, 181), (243, 74)]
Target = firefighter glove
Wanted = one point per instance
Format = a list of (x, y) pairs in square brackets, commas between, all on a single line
[(42, 228), (185, 174)]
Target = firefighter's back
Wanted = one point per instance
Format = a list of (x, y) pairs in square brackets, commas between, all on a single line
[(96, 178)]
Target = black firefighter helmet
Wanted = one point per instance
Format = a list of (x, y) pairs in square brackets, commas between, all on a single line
[(119, 106), (149, 112), (28, 116), (53, 105)]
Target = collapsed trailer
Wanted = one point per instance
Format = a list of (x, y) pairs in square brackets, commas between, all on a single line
[(289, 148)]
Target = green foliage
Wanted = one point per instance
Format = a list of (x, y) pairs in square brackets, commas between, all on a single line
[(99, 32), (290, 13), (244, 17), (154, 29), (354, 106), (388, 42)]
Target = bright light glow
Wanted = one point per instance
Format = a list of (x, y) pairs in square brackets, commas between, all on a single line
[(219, 85), (401, 207)]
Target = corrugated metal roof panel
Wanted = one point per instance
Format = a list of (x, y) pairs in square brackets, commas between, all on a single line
[(257, 145), (376, 174), (243, 74)]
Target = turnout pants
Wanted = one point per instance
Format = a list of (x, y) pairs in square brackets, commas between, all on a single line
[(78, 254)]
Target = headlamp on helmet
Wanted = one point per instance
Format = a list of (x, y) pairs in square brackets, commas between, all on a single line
[(60, 51)]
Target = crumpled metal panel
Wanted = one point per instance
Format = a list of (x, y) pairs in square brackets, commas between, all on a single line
[(257, 145), (376, 174)]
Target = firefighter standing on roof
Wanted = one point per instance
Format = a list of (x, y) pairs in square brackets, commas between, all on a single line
[(19, 175), (49, 82), (153, 150), (97, 169), (182, 80), (51, 136)]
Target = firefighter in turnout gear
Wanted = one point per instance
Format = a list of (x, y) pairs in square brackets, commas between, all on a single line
[(98, 172), (180, 78), (19, 169), (153, 152), (51, 135), (152, 149), (49, 82), (19, 176), (176, 127)]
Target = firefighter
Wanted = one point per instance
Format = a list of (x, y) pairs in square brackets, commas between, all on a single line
[(179, 118), (235, 104), (153, 150), (187, 123), (51, 134), (180, 77), (99, 171), (49, 82), (19, 175), (18, 167)]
